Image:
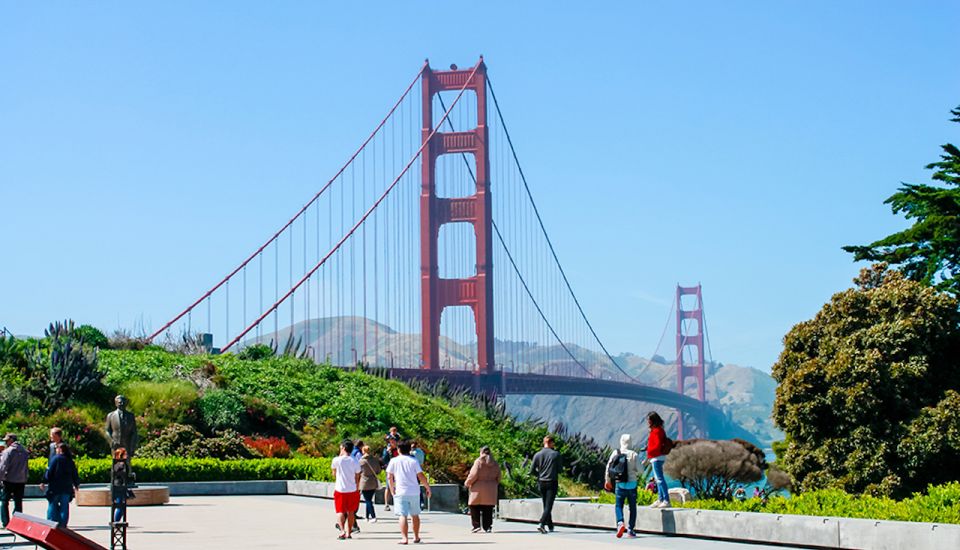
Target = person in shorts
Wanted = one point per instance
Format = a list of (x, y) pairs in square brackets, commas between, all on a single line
[(404, 477), (346, 493)]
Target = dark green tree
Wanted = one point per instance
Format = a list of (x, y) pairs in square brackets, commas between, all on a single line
[(929, 250), (854, 383)]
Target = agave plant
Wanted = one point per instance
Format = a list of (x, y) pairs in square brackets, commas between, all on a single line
[(64, 368)]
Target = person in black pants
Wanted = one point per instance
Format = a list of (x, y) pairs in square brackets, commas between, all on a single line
[(546, 467)]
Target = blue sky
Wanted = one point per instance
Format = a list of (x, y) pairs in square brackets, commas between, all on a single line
[(144, 150)]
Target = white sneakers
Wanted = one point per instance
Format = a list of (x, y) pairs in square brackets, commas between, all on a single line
[(660, 504)]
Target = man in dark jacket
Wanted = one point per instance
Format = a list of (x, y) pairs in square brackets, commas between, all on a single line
[(13, 475), (546, 467)]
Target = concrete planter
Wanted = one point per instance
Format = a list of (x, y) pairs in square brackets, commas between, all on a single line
[(812, 531)]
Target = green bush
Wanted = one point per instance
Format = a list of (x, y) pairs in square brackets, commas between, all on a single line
[(82, 429), (165, 470), (941, 504), (160, 404), (179, 440), (91, 336), (222, 410)]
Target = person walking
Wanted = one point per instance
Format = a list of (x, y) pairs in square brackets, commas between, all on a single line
[(404, 477), (621, 477), (417, 452), (60, 484), (484, 484), (546, 468), (369, 470), (357, 453), (13, 475), (346, 495), (658, 445), (56, 437), (389, 452)]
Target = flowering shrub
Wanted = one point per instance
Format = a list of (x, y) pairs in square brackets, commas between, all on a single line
[(268, 447)]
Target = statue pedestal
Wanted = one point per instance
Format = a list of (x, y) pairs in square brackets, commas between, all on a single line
[(152, 495)]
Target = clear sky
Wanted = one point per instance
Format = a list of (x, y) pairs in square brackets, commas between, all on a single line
[(145, 150)]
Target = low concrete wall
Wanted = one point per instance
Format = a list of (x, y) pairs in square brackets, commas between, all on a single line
[(812, 531), (445, 497)]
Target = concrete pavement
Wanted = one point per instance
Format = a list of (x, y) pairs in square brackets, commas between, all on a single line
[(275, 521)]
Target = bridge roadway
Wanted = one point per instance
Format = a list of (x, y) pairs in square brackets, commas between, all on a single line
[(277, 521), (508, 383)]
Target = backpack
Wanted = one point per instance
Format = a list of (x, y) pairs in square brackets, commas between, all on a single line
[(668, 445), (617, 471)]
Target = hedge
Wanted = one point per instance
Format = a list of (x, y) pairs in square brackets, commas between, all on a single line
[(940, 504), (165, 470)]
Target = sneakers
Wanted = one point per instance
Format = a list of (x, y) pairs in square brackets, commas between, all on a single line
[(475, 530), (373, 520), (621, 529), (542, 529), (631, 534), (490, 530), (654, 505), (386, 507)]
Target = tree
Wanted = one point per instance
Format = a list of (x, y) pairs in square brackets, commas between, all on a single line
[(854, 378), (712, 469), (929, 250)]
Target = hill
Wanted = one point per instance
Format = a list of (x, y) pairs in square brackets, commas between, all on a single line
[(745, 394)]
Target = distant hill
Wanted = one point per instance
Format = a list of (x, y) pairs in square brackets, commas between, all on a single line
[(744, 393)]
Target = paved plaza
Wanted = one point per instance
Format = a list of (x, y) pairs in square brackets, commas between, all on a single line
[(299, 522)]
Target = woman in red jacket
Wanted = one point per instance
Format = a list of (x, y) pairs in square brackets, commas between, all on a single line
[(657, 454)]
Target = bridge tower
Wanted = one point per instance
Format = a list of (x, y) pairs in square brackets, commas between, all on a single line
[(690, 336), (475, 291)]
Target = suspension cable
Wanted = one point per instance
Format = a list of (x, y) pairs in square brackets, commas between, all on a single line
[(298, 214), (543, 228), (362, 219)]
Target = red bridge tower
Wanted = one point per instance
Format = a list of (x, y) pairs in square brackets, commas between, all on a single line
[(690, 337), (475, 291)]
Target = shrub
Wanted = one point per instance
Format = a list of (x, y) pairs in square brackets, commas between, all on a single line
[(941, 504), (319, 439), (166, 470), (178, 440), (160, 404), (222, 410), (267, 447), (91, 336), (82, 430), (256, 352), (711, 469)]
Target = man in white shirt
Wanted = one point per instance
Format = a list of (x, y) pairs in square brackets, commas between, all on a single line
[(346, 493), (404, 477)]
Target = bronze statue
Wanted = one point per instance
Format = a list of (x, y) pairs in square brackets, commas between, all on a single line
[(122, 428)]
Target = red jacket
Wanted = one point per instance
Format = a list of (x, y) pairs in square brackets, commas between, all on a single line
[(655, 442)]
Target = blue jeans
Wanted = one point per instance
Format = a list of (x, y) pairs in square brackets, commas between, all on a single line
[(630, 495), (58, 508), (663, 493)]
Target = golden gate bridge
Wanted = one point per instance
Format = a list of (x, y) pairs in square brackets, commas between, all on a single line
[(388, 267)]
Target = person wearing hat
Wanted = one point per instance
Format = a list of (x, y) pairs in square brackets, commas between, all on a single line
[(13, 476)]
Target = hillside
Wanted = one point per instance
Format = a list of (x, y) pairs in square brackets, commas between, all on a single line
[(744, 393)]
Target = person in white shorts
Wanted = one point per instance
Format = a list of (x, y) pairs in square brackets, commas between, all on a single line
[(404, 477)]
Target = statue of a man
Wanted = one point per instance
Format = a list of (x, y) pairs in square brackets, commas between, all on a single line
[(122, 427)]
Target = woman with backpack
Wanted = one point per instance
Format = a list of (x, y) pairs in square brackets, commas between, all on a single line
[(621, 478), (658, 445)]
